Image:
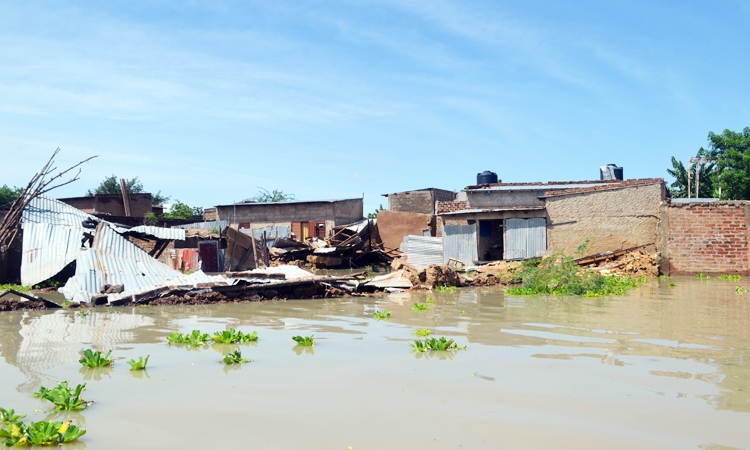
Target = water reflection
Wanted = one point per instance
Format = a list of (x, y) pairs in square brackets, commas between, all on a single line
[(696, 330), (96, 373)]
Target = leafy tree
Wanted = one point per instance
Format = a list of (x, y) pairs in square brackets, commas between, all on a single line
[(111, 185), (8, 194), (374, 215), (180, 210), (731, 150), (679, 188), (264, 196)]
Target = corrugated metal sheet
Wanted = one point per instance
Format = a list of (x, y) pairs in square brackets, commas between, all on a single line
[(537, 235), (217, 224), (421, 251), (52, 234), (47, 210), (525, 238), (272, 232), (115, 260), (460, 242), (290, 272)]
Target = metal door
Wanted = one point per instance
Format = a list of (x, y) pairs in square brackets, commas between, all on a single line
[(209, 254), (460, 242), (525, 238)]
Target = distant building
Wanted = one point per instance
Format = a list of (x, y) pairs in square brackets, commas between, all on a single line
[(305, 219), (410, 213), (112, 204)]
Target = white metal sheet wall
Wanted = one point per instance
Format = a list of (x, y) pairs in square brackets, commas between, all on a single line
[(460, 242), (537, 237)]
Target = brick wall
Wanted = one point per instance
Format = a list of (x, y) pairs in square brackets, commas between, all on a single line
[(708, 238), (444, 207)]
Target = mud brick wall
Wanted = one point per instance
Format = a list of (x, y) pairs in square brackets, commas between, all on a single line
[(615, 218), (339, 212), (708, 238), (393, 226), (444, 207), (422, 202)]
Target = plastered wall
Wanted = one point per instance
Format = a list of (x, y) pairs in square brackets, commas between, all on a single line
[(616, 219)]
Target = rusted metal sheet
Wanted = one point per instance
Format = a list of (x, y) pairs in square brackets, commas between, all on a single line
[(209, 254)]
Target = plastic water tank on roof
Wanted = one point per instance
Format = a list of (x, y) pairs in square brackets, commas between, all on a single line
[(486, 177)]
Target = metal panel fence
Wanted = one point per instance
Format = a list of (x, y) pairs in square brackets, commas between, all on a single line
[(525, 238)]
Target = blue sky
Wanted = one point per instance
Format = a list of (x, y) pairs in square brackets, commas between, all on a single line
[(206, 101)]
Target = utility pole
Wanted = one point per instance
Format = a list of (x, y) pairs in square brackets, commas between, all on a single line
[(699, 162)]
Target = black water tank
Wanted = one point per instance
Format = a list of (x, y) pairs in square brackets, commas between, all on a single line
[(486, 177), (613, 167)]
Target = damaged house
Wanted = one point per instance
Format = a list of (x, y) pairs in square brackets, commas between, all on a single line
[(513, 221)]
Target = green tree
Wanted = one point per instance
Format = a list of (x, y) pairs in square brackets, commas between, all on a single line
[(374, 215), (679, 188), (8, 194), (180, 210), (731, 150), (111, 185), (264, 196)]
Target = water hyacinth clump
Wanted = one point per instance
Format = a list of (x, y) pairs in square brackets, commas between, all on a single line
[(232, 336), (63, 397)]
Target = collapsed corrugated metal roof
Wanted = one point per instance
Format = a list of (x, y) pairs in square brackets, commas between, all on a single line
[(217, 224), (172, 234), (52, 234), (114, 260)]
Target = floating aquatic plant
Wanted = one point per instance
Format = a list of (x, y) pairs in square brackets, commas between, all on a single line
[(235, 358), (739, 290), (232, 336), (63, 397), (194, 339), (19, 434), (730, 277), (306, 341), (95, 359), (140, 364), (436, 344), (9, 416), (419, 306), (423, 332), (381, 315)]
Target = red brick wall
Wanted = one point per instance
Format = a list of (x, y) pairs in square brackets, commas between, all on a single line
[(708, 238), (456, 205)]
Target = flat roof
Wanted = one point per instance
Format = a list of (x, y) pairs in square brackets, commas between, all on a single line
[(418, 190), (287, 203), (536, 187), (491, 210)]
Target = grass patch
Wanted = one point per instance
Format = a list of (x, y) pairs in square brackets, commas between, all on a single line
[(15, 287), (560, 275)]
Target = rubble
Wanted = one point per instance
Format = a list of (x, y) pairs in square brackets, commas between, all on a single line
[(635, 263)]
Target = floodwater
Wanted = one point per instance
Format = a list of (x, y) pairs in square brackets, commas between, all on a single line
[(664, 367)]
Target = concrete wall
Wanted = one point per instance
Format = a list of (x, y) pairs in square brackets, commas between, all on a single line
[(339, 212), (489, 198), (111, 204), (393, 226), (422, 201), (616, 218), (707, 238)]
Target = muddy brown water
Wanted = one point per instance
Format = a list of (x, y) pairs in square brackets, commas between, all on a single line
[(664, 367)]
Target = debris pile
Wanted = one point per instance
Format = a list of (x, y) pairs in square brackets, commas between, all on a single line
[(633, 261), (491, 274)]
